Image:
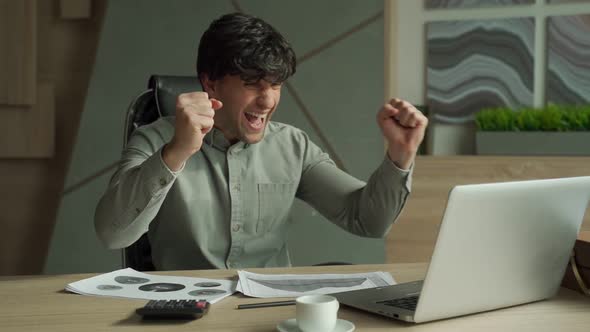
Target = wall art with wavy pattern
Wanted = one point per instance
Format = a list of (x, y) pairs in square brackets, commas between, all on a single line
[(568, 59), (476, 64)]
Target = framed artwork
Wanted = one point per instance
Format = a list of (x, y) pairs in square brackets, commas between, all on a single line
[(566, 1), (448, 4), (568, 54), (477, 64)]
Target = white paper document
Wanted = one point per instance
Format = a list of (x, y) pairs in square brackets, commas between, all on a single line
[(129, 283), (293, 285)]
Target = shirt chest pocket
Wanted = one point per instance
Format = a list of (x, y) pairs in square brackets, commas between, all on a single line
[(274, 204)]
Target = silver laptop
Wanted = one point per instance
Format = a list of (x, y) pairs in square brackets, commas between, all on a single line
[(499, 245)]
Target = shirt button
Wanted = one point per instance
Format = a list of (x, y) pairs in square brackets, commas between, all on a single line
[(236, 227), (237, 187), (163, 182)]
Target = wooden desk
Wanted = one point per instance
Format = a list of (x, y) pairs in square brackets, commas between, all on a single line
[(38, 303)]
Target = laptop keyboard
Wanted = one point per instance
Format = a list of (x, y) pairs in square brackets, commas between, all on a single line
[(408, 303)]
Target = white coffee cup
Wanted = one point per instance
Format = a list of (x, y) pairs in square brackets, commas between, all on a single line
[(316, 313)]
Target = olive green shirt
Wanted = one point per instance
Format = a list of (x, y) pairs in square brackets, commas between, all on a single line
[(229, 205)]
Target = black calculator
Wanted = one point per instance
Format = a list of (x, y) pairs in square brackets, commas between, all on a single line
[(174, 309)]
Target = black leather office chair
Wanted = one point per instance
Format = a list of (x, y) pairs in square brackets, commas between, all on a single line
[(157, 101)]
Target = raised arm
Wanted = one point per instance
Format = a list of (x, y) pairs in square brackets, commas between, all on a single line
[(367, 209), (136, 190), (154, 156)]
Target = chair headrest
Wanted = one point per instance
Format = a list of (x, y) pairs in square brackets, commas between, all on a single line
[(166, 88)]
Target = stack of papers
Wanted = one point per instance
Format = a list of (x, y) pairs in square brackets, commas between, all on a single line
[(129, 283), (294, 285)]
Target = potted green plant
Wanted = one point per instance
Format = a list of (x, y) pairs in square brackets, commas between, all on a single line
[(552, 130)]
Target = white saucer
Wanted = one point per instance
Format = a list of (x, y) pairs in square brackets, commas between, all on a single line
[(290, 325)]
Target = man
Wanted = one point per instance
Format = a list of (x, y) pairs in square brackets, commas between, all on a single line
[(213, 185)]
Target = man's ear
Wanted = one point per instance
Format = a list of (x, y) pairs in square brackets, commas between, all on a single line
[(207, 84)]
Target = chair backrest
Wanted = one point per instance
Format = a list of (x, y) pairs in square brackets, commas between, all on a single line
[(157, 101)]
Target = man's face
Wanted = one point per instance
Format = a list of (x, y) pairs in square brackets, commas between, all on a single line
[(247, 107)]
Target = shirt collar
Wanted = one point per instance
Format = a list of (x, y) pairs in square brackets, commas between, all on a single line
[(216, 139)]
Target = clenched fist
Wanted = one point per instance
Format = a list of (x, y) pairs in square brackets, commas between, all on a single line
[(403, 127), (194, 119)]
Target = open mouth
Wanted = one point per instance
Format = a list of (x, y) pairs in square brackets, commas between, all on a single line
[(255, 120)]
